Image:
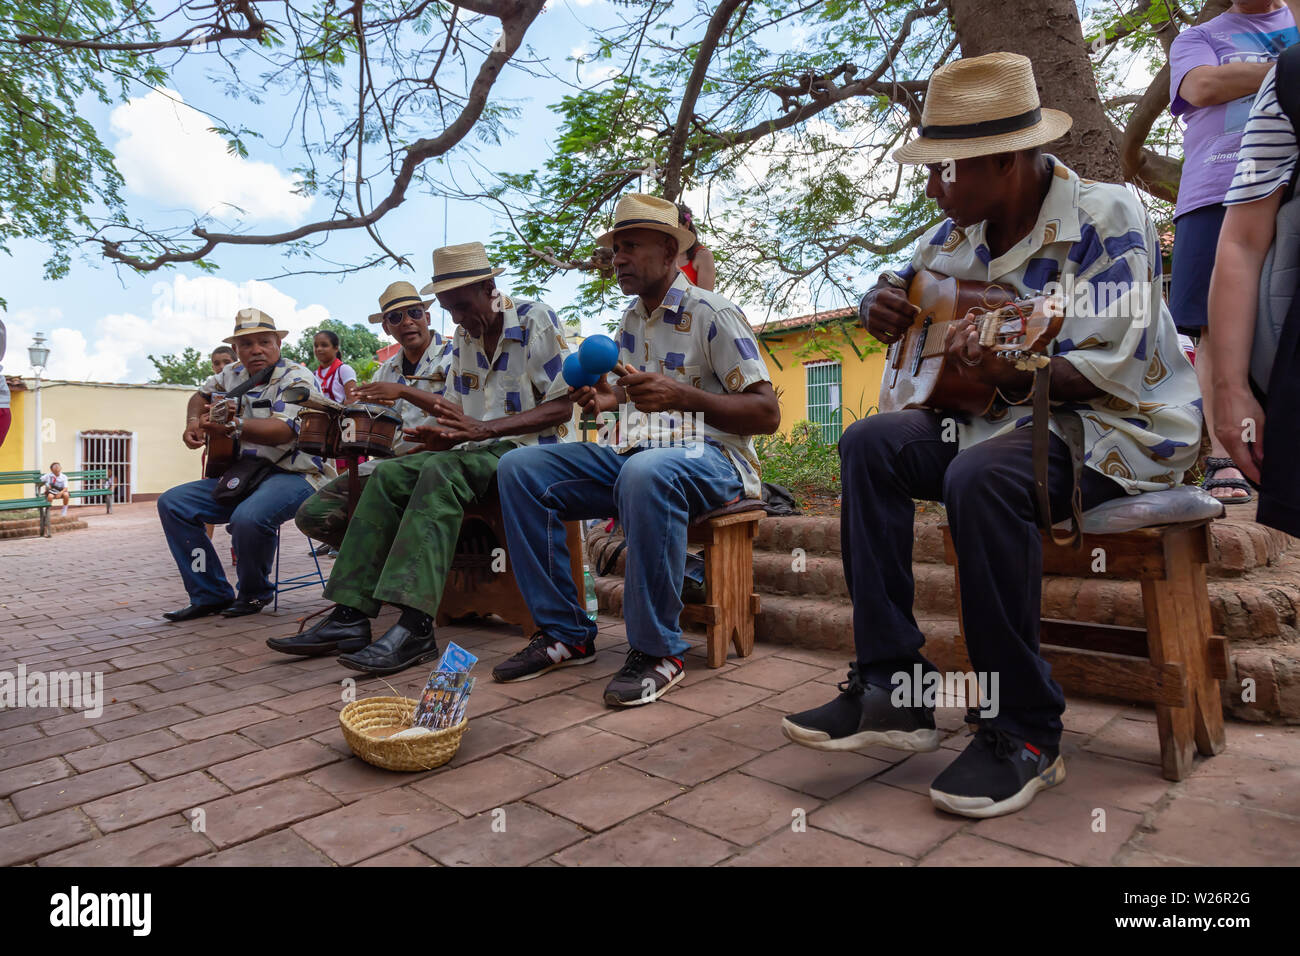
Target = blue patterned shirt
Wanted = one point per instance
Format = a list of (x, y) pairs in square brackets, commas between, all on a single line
[(1094, 242), (524, 372), (265, 402)]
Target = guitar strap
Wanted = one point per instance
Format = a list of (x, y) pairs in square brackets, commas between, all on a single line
[(1072, 431)]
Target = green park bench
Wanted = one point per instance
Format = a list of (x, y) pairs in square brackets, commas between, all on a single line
[(23, 504), (102, 489), (94, 484)]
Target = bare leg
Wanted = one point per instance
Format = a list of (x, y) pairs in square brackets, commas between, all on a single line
[(1205, 378)]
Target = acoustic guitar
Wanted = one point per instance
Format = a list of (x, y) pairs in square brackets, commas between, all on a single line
[(918, 370), (220, 450)]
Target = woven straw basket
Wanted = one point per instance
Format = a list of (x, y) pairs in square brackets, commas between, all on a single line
[(422, 753)]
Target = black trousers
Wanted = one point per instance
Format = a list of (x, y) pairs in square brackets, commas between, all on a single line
[(888, 460)]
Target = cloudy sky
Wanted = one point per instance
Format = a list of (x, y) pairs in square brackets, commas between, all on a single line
[(102, 322)]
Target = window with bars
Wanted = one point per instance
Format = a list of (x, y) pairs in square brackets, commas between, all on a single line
[(111, 452), (824, 398)]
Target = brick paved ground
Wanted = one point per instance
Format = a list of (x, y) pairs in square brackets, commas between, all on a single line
[(204, 716)]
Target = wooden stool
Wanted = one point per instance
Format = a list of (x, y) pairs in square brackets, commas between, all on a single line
[(1175, 663), (473, 587), (730, 603)]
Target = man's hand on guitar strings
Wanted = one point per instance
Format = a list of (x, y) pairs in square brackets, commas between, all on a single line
[(963, 345)]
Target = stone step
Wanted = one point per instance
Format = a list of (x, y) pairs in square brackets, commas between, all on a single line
[(30, 528), (1259, 609), (1237, 545)]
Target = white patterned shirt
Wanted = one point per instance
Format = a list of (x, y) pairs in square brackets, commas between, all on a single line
[(1268, 148), (1097, 242), (524, 372), (430, 376), (701, 339), (265, 402)]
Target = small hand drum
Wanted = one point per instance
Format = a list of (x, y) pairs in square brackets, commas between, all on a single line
[(318, 433), (369, 430)]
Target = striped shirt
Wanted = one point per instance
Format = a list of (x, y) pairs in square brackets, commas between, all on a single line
[(1268, 148)]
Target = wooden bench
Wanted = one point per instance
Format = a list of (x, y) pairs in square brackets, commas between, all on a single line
[(730, 602), (473, 587), (23, 504), (1175, 662), (103, 491)]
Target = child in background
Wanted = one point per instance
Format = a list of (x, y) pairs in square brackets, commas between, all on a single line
[(221, 356), (332, 375), (56, 486)]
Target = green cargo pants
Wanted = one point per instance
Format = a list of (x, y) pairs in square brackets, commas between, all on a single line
[(402, 538), (324, 516)]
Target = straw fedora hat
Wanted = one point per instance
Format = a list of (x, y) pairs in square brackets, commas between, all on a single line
[(396, 296), (639, 211), (252, 321), (455, 266), (981, 106)]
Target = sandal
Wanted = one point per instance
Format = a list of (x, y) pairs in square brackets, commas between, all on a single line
[(1212, 467)]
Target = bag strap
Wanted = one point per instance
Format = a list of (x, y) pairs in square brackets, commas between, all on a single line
[(261, 378), (1073, 431)]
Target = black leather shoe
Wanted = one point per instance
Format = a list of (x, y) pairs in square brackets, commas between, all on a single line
[(327, 637), (242, 608), (190, 612), (397, 650)]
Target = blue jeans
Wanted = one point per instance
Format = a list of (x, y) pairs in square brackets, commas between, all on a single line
[(184, 511), (655, 492)]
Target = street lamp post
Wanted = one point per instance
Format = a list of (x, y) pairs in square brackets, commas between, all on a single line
[(38, 354)]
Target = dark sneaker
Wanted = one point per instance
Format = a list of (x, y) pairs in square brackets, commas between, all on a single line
[(996, 774), (543, 654), (863, 716), (643, 679)]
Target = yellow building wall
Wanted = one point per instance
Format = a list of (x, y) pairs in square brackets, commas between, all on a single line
[(14, 452), (155, 414), (859, 377)]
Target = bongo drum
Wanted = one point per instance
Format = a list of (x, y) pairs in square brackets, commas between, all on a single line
[(366, 429), (317, 433)]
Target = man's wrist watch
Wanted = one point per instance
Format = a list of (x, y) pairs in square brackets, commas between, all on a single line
[(237, 428)]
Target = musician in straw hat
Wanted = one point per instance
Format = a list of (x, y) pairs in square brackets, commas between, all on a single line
[(687, 357), (265, 427), (1018, 216), (504, 391), (420, 365)]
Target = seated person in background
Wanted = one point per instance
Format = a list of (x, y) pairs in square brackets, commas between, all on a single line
[(505, 390), (222, 356), (420, 366), (695, 260), (56, 486), (688, 353), (1267, 174), (1016, 216), (265, 427)]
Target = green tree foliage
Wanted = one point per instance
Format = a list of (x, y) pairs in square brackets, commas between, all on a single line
[(375, 89), (357, 346), (776, 120), (191, 367), (54, 169)]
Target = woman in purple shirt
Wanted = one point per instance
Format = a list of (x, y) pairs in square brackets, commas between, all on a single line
[(1216, 69)]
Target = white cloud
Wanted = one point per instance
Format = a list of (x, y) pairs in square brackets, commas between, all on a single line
[(166, 151), (197, 312)]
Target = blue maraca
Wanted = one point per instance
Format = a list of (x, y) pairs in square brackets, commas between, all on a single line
[(575, 376), (598, 354)]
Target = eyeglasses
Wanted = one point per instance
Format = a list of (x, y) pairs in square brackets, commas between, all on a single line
[(397, 318)]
